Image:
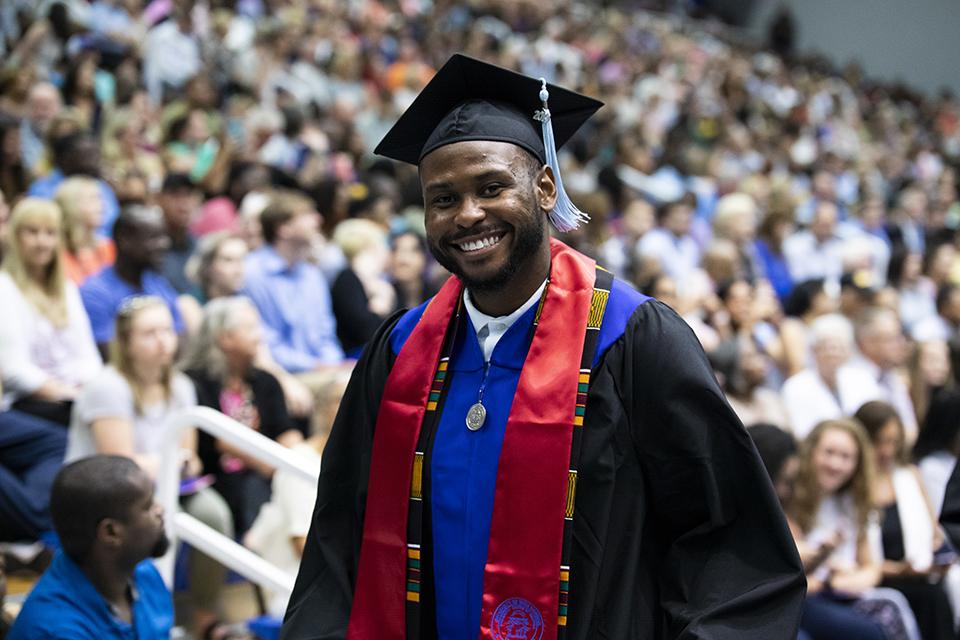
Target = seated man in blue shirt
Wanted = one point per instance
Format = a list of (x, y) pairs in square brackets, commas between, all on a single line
[(290, 292), (142, 243), (101, 586)]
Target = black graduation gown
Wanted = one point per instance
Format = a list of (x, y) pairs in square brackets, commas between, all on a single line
[(677, 532)]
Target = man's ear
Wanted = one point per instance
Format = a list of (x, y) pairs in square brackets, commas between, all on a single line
[(110, 532), (546, 188)]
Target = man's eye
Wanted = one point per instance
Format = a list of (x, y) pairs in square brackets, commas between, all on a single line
[(491, 190)]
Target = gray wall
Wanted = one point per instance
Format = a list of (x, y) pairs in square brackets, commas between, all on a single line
[(916, 41)]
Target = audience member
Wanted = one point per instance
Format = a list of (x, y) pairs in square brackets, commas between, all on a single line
[(736, 220), (807, 301), (908, 227), (929, 370), (221, 364), (103, 584), (361, 296), (216, 266), (171, 54), (14, 177), (179, 201), (31, 453), (141, 244), (816, 252), (831, 388), (832, 518), (670, 242), (408, 270), (290, 293), (74, 154), (909, 535), (85, 253), (823, 619), (742, 372), (46, 344), (946, 324), (43, 105), (124, 412), (773, 230), (882, 346), (938, 444), (917, 293), (126, 153)]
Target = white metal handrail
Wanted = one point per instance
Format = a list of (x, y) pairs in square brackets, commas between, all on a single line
[(183, 526)]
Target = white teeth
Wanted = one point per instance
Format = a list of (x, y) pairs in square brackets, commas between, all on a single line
[(479, 244)]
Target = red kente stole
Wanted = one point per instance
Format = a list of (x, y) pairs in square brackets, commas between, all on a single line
[(523, 567)]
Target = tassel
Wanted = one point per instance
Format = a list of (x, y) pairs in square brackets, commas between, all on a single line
[(565, 216)]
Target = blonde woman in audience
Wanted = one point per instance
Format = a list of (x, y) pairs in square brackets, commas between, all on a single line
[(362, 296), (85, 254), (123, 412), (47, 350), (909, 531), (125, 153), (834, 521)]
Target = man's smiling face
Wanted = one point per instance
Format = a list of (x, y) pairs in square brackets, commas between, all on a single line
[(484, 221)]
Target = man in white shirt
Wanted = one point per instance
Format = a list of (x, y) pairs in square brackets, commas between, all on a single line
[(670, 243), (171, 55), (882, 351), (832, 388), (818, 251)]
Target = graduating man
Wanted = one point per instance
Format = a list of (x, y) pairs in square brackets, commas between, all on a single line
[(539, 451)]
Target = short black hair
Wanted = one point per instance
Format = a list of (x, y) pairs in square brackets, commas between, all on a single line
[(128, 220), (801, 298), (67, 143), (86, 492), (175, 181), (774, 445)]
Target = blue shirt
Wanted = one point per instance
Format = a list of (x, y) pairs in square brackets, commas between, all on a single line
[(47, 188), (64, 605), (463, 463), (294, 303), (102, 294)]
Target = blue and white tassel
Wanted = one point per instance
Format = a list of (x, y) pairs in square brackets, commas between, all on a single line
[(565, 215)]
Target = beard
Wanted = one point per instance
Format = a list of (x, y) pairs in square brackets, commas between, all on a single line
[(161, 546), (529, 238)]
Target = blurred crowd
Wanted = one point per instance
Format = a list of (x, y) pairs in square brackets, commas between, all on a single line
[(188, 193)]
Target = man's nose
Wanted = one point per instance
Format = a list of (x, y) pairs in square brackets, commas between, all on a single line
[(470, 213)]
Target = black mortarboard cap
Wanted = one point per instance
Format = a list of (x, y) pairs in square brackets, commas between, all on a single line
[(472, 100)]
